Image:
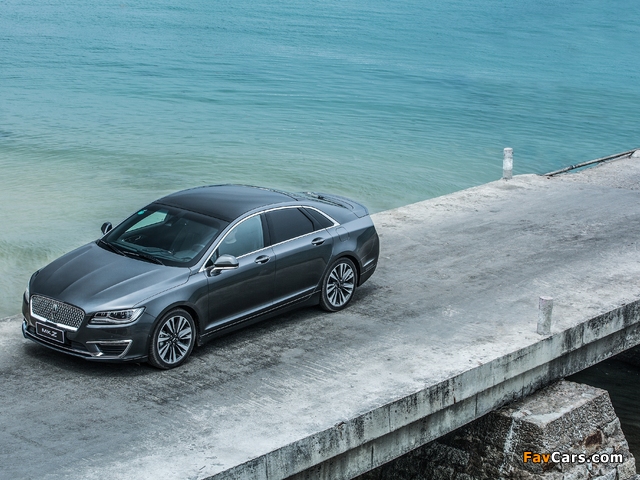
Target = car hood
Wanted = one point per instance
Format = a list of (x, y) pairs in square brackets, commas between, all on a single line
[(97, 279)]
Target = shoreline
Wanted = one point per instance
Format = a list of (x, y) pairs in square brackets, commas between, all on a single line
[(616, 179)]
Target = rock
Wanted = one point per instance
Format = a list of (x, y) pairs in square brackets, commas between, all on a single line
[(550, 435)]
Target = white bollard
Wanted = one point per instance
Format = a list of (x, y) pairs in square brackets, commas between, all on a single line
[(507, 164), (545, 307)]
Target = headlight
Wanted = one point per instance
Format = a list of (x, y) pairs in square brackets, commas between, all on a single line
[(116, 317)]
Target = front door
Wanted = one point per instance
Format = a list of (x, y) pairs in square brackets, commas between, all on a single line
[(241, 293)]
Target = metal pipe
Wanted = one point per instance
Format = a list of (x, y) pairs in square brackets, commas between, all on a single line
[(591, 162)]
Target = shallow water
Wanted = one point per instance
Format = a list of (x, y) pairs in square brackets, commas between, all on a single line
[(106, 106)]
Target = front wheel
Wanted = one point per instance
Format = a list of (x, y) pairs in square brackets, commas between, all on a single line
[(338, 285), (173, 340)]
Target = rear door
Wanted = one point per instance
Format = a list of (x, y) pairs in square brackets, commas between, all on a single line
[(302, 249)]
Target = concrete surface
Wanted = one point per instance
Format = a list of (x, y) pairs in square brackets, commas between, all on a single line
[(443, 332)]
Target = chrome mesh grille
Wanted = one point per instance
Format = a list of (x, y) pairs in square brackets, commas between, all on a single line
[(57, 312)]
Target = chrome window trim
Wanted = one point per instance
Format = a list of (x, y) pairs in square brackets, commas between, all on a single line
[(221, 239), (255, 251)]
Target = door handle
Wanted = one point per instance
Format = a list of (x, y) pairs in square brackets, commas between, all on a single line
[(262, 259), (317, 241)]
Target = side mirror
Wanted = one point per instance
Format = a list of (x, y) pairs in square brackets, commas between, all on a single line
[(226, 262), (106, 227)]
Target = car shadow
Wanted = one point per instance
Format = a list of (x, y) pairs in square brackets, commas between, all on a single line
[(277, 328), (36, 355)]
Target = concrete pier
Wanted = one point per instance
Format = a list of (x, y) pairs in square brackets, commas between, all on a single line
[(567, 431), (444, 332)]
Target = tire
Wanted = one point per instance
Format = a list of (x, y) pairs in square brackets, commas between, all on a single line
[(338, 285), (173, 340)]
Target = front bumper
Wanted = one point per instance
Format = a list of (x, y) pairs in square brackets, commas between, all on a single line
[(120, 344)]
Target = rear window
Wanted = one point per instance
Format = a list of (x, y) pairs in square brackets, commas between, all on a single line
[(288, 223), (320, 220)]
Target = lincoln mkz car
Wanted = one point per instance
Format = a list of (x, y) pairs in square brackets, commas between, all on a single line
[(196, 264)]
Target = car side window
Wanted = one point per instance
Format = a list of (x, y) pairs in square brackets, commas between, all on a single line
[(288, 223), (320, 220), (246, 237)]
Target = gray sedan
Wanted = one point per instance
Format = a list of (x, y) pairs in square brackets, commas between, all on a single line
[(197, 264)]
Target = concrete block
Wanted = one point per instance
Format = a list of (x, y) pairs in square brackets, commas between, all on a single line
[(545, 309), (612, 428), (579, 472), (463, 476), (611, 475), (627, 469), (565, 417)]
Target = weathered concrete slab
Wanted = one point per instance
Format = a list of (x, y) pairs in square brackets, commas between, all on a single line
[(443, 332)]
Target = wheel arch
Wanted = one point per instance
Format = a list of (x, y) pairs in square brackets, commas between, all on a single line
[(178, 305), (355, 261), (351, 256)]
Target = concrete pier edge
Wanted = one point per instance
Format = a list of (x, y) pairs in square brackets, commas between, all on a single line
[(370, 440)]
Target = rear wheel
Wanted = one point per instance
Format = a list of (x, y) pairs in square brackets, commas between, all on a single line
[(338, 285), (173, 340)]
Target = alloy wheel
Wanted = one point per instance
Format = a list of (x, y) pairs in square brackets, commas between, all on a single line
[(173, 340), (340, 285)]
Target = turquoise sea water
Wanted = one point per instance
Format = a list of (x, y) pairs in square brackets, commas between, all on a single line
[(105, 106)]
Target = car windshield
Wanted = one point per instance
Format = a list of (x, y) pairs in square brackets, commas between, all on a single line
[(166, 235)]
